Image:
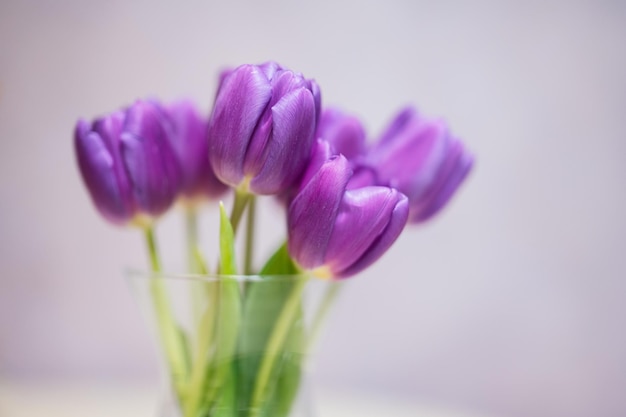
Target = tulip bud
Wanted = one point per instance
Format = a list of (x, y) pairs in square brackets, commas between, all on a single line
[(98, 150), (344, 132), (338, 232), (420, 158), (261, 130), (127, 163), (188, 141)]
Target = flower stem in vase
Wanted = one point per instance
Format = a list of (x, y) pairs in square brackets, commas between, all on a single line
[(171, 336)]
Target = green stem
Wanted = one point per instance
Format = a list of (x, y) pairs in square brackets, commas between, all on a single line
[(195, 262), (275, 343), (168, 331), (226, 332), (201, 358), (250, 226), (239, 206), (191, 227), (320, 317), (152, 250)]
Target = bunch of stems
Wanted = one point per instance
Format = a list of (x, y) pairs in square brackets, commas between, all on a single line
[(227, 373)]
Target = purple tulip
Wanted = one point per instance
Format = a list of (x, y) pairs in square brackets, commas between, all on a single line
[(420, 158), (344, 132), (262, 127), (127, 163), (100, 163), (188, 140), (339, 232)]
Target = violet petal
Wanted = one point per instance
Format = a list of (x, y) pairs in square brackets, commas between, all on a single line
[(384, 241), (99, 169), (310, 219), (362, 217), (150, 163), (241, 100), (286, 153)]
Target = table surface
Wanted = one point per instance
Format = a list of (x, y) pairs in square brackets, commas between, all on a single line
[(124, 399)]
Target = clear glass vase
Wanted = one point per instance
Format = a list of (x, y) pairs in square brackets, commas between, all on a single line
[(234, 346)]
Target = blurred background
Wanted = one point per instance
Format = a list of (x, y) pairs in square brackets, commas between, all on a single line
[(509, 303)]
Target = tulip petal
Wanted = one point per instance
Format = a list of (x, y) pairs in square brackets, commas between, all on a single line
[(455, 169), (364, 176), (398, 124), (285, 81), (413, 163), (110, 128), (419, 157), (362, 217), (312, 213), (99, 170), (320, 153), (382, 243), (317, 98), (150, 162), (282, 83), (270, 68), (241, 100), (285, 155), (344, 132), (188, 141)]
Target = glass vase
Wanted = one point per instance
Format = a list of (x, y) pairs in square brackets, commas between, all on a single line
[(234, 346)]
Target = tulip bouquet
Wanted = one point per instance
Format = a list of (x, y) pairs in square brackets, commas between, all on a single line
[(346, 202)]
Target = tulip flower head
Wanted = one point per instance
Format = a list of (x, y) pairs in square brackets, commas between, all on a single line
[(262, 127), (338, 232), (127, 163), (420, 158), (188, 140)]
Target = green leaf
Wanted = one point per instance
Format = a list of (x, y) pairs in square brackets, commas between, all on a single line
[(229, 316), (226, 405), (280, 263), (200, 261), (290, 370), (228, 328), (263, 304)]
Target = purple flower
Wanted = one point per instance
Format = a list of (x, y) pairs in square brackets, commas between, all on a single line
[(344, 132), (127, 163), (339, 232), (262, 127), (420, 158), (188, 140)]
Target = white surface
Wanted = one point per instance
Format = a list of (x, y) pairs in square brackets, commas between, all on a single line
[(88, 399)]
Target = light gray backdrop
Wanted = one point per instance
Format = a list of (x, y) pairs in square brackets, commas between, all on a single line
[(511, 302)]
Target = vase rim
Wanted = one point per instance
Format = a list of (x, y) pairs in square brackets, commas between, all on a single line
[(135, 273)]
